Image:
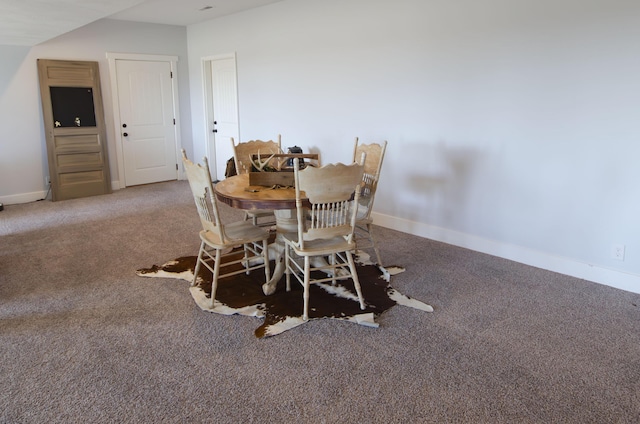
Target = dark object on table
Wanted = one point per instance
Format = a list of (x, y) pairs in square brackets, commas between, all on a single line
[(295, 149), (231, 168)]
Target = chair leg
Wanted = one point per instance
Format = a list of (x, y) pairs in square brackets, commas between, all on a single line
[(214, 281), (246, 258), (287, 269), (267, 265), (373, 242), (307, 282), (197, 268), (356, 281), (334, 270)]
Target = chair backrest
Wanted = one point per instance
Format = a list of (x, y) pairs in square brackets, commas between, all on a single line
[(199, 178), (332, 192), (244, 151), (372, 166)]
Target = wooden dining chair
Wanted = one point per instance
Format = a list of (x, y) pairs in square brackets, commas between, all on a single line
[(325, 227), (243, 153), (218, 240), (374, 155)]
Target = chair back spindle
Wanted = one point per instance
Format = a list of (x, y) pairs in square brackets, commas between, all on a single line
[(333, 198)]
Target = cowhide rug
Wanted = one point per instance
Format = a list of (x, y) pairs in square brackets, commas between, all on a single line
[(242, 294)]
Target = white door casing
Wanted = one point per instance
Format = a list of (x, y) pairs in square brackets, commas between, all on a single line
[(145, 111), (221, 109)]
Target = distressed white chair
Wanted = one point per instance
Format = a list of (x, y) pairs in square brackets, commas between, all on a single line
[(372, 165), (242, 155), (244, 151), (325, 226), (217, 239)]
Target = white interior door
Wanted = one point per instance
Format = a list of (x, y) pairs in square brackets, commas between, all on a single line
[(147, 124), (222, 102)]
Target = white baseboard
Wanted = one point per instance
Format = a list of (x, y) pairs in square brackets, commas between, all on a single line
[(566, 266), (14, 199)]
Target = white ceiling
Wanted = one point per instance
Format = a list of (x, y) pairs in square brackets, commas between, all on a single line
[(30, 22)]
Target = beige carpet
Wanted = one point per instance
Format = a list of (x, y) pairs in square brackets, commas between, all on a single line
[(84, 339)]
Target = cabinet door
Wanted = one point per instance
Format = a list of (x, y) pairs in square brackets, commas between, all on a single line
[(74, 128)]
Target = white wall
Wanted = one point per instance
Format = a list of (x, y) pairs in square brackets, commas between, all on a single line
[(513, 126), (23, 153)]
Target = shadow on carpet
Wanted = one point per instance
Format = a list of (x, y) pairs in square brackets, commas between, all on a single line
[(242, 294)]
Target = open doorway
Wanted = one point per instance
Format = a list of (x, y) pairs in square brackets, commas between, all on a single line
[(221, 109)]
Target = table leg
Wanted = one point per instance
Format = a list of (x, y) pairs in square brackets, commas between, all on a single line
[(286, 222), (276, 253)]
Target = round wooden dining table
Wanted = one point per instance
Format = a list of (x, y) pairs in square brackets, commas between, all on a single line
[(236, 192)]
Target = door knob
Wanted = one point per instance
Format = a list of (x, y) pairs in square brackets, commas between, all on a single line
[(124, 125), (215, 131), (125, 134)]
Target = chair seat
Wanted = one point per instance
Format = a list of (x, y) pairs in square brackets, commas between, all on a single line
[(237, 233), (320, 247)]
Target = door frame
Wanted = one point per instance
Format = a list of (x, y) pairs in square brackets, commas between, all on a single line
[(207, 100), (173, 61)]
